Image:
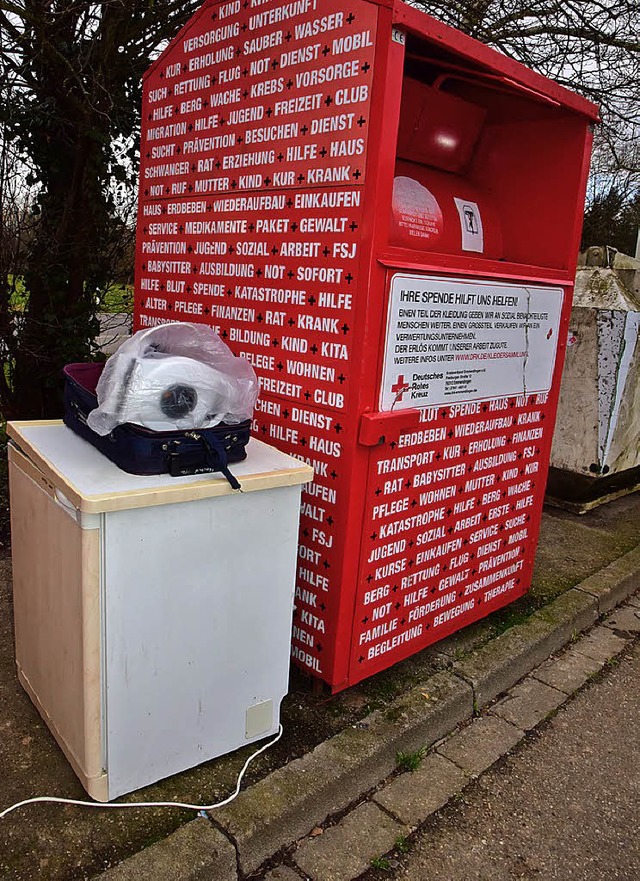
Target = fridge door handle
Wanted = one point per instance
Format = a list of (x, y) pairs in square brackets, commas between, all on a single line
[(67, 506), (84, 521)]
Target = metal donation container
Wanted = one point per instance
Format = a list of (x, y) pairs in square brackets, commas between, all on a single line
[(383, 216), (152, 615)]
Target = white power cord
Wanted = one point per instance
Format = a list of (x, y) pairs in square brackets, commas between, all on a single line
[(150, 804)]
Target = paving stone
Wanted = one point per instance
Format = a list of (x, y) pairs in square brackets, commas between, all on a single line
[(569, 672), (529, 703), (626, 619), (480, 744), (413, 796), (196, 852), (291, 801), (613, 584), (282, 873), (505, 660), (346, 850), (601, 644)]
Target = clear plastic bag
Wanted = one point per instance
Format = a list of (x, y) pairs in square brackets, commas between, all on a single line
[(174, 377)]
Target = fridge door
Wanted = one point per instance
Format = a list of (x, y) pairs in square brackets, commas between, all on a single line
[(199, 601)]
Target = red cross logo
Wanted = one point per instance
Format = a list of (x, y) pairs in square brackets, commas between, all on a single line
[(400, 388)]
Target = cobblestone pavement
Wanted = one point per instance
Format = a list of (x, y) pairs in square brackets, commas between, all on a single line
[(565, 805)]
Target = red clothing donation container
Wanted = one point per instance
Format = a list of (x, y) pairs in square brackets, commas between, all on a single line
[(383, 216)]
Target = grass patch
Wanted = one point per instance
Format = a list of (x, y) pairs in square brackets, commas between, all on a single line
[(517, 613), (409, 761), (117, 298), (114, 298)]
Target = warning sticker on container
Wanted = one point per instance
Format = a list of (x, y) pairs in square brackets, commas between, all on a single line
[(470, 225), (453, 340)]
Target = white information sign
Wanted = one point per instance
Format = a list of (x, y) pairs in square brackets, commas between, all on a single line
[(453, 340)]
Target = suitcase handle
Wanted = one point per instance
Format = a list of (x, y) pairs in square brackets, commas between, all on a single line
[(213, 457)]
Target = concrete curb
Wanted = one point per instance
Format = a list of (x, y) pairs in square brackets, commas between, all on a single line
[(291, 801), (501, 663), (196, 852), (615, 583)]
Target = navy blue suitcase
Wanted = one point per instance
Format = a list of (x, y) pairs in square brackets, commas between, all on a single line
[(139, 450)]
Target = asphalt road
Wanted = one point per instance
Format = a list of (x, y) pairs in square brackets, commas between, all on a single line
[(565, 805)]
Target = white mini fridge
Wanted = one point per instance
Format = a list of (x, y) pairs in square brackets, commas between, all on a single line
[(152, 614)]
